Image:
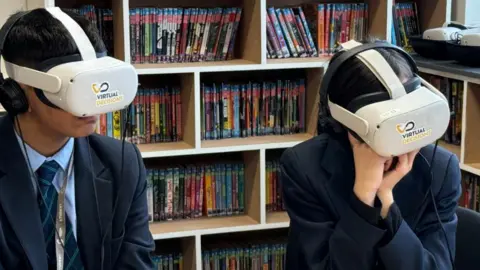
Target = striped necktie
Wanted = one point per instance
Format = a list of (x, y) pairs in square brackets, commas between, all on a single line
[(48, 212)]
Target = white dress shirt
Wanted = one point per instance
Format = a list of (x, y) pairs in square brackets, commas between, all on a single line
[(62, 157)]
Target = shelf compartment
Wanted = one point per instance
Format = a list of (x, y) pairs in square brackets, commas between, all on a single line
[(114, 8), (278, 217), (211, 175), (471, 132), (375, 25), (431, 13), (274, 202), (236, 246), (171, 139), (180, 251), (306, 128), (247, 37)]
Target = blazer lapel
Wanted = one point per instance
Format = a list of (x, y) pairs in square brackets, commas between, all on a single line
[(93, 189), (17, 196), (411, 192), (338, 161)]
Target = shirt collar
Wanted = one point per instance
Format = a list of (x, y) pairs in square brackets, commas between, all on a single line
[(36, 159)]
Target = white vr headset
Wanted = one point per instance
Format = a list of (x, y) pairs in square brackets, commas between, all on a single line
[(409, 116), (84, 85)]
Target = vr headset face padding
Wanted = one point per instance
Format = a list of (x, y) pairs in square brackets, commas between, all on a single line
[(412, 115), (84, 84)]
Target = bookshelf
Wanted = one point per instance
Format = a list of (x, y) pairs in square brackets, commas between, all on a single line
[(249, 57)]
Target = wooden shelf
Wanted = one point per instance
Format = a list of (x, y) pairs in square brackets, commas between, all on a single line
[(190, 67), (267, 142), (471, 128), (292, 61), (161, 229), (473, 168), (164, 149), (277, 217)]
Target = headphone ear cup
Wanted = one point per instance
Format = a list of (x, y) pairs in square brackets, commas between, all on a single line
[(13, 97)]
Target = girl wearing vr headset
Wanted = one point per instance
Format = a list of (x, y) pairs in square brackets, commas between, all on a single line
[(46, 152), (353, 209)]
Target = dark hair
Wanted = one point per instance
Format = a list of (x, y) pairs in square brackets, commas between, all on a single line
[(353, 79), (38, 36)]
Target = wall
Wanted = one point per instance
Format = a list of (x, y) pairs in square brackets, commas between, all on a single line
[(8, 7), (466, 11)]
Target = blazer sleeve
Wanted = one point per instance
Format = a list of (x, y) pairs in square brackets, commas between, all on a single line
[(321, 241), (138, 242), (428, 247)]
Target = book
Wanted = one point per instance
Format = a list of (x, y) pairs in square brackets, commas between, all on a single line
[(154, 116), (313, 29), (196, 190), (274, 195), (453, 91), (405, 24), (239, 110), (179, 35), (245, 254)]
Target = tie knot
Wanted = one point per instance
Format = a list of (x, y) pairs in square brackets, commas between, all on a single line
[(46, 172)]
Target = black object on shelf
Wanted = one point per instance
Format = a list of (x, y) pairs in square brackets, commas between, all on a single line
[(450, 66), (433, 49), (465, 55)]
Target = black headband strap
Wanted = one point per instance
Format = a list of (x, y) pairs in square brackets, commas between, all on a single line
[(333, 67)]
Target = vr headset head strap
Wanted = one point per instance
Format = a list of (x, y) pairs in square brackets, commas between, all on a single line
[(4, 33), (87, 51), (382, 71), (38, 78)]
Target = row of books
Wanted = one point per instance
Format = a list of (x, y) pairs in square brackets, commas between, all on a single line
[(259, 254), (274, 198), (170, 261), (291, 32), (172, 35), (470, 191), (405, 24), (252, 109), (155, 116), (192, 191), (453, 91), (101, 18)]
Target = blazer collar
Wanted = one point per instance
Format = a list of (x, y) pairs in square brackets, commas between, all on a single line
[(409, 194), (93, 195)]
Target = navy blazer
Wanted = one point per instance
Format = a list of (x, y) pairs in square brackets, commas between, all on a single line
[(129, 242), (326, 233)]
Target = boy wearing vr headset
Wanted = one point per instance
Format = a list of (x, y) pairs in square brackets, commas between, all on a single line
[(50, 160), (371, 191)]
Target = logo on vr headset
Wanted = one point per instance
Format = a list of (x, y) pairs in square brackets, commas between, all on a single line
[(410, 133), (105, 96)]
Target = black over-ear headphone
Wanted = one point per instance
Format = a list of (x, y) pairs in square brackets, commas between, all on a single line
[(365, 99), (12, 96)]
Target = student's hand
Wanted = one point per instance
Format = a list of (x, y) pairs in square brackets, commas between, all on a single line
[(392, 177), (369, 170)]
